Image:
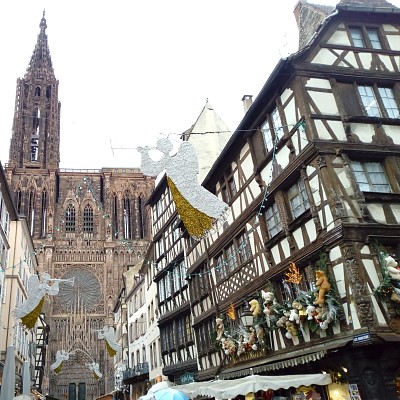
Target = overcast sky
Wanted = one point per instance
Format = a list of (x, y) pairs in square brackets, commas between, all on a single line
[(131, 70)]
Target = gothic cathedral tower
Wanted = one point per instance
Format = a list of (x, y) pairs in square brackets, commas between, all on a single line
[(88, 225)]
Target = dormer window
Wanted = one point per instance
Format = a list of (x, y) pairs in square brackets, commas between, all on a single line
[(365, 38)]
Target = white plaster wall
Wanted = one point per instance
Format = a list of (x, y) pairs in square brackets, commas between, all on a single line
[(377, 213), (247, 166), (325, 57), (335, 254), (283, 157), (285, 247), (343, 178), (266, 172), (393, 131), (285, 95), (275, 254), (366, 60), (328, 216), (350, 58), (365, 250), (396, 211), (325, 102), (338, 129), (311, 230), (354, 317), (370, 268), (363, 131), (298, 237), (339, 37), (290, 113), (254, 188), (390, 28), (387, 61), (322, 131), (377, 310), (318, 83), (394, 42)]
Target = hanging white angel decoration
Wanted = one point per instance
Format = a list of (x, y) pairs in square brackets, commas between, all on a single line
[(199, 209), (31, 308), (94, 367), (61, 356), (108, 334)]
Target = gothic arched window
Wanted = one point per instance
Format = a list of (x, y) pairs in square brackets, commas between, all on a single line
[(37, 92), (18, 199), (127, 217), (44, 214), (115, 215), (88, 218), (70, 218), (31, 209), (141, 217)]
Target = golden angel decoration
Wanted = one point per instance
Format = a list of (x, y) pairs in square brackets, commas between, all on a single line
[(61, 356), (199, 209), (94, 367), (108, 334), (29, 310)]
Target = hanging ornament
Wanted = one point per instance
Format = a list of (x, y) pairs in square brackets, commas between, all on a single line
[(61, 356), (231, 312), (94, 367), (31, 308), (293, 275), (108, 334), (199, 209)]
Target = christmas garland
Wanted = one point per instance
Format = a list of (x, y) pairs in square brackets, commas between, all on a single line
[(389, 289), (318, 309)]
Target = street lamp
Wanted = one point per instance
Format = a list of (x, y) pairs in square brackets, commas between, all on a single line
[(246, 316)]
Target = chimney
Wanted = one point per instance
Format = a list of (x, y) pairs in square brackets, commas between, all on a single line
[(247, 100), (296, 12)]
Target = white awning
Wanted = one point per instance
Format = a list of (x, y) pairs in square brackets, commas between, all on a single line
[(226, 389)]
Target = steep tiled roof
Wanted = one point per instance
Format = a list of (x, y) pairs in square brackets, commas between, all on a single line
[(367, 3)]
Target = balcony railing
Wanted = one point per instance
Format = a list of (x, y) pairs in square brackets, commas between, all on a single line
[(137, 370)]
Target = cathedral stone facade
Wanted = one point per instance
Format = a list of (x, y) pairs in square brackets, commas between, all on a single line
[(88, 225)]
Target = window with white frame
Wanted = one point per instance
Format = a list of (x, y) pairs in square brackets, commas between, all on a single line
[(365, 37), (298, 199), (371, 176), (379, 101), (228, 185), (244, 248), (159, 207), (272, 129), (273, 220), (234, 255), (160, 247)]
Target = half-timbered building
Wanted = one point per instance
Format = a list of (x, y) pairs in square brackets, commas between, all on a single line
[(311, 176), (166, 256)]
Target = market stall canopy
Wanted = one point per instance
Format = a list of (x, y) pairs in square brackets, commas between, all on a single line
[(155, 388), (170, 394), (226, 389)]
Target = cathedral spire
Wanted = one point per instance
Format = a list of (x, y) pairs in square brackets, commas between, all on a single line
[(40, 65)]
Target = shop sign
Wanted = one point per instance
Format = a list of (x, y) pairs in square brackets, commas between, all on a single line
[(362, 338), (187, 377)]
